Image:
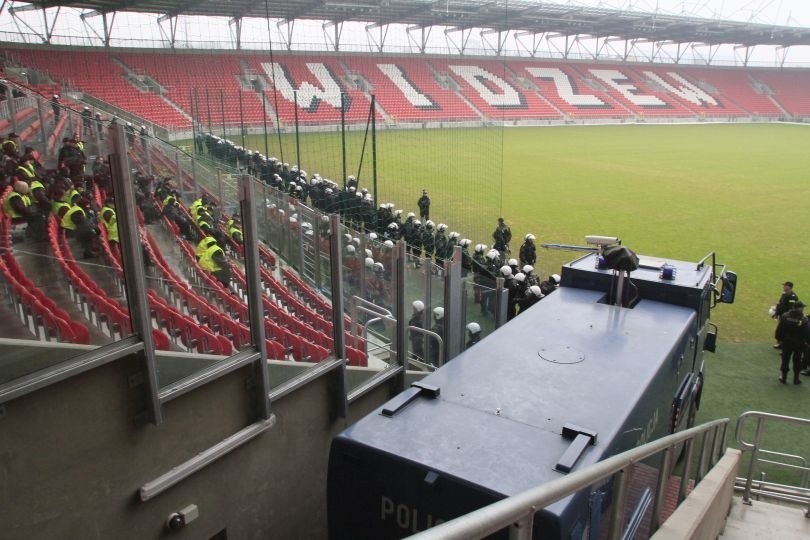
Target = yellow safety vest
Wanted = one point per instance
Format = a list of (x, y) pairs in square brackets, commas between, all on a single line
[(204, 244), (110, 224), (194, 206), (26, 173), (12, 143), (80, 145), (36, 184), (67, 222), (56, 206), (8, 210), (233, 229), (169, 199), (207, 262), (69, 194)]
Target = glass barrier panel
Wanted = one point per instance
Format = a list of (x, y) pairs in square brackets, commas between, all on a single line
[(61, 276), (416, 300), (475, 310), (435, 310)]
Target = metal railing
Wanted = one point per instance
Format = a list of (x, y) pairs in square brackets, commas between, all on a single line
[(797, 494), (517, 512)]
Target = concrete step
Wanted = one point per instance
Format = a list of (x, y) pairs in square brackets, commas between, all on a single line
[(766, 520)]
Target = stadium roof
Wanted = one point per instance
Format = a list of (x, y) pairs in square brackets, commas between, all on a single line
[(499, 15)]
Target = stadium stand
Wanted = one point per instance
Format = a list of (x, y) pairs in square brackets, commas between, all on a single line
[(188, 74), (100, 75), (789, 89), (407, 89)]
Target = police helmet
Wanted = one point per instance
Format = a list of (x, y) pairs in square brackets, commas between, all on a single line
[(356, 241), (513, 262), (535, 290), (442, 227), (328, 191), (350, 249), (473, 328), (368, 252), (479, 248), (369, 262), (528, 269), (411, 215), (418, 305), (388, 244), (529, 237), (520, 276), (506, 271), (352, 190), (493, 254), (465, 242), (429, 224), (393, 226), (555, 279), (417, 222), (378, 267), (347, 237), (372, 235), (454, 235), (438, 313), (398, 212)]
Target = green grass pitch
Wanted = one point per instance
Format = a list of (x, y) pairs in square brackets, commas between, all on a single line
[(672, 191)]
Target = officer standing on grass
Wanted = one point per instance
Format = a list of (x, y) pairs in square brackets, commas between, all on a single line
[(793, 333), (785, 304), (424, 206)]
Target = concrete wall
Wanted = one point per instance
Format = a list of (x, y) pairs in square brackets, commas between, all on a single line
[(703, 513), (72, 458)]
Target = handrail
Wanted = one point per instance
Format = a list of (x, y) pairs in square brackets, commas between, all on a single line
[(520, 509), (754, 447)]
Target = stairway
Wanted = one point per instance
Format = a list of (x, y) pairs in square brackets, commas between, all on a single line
[(767, 521)]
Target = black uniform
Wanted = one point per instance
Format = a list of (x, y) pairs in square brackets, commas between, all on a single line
[(502, 236), (793, 332), (424, 206), (528, 253), (417, 339), (786, 303)]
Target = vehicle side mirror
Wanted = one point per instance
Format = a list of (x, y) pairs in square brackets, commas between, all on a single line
[(729, 287)]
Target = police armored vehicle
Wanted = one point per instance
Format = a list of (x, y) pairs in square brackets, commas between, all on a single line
[(609, 361)]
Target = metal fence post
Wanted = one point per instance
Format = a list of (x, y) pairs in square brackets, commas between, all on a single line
[(453, 306), (12, 113), (132, 259), (338, 330), (749, 478), (400, 306), (501, 302), (620, 490), (254, 292), (42, 131)]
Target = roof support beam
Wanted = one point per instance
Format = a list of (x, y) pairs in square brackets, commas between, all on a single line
[(106, 25), (461, 47), (46, 37), (421, 43), (749, 49), (781, 55), (338, 32), (379, 45), (235, 24), (287, 32), (172, 35), (502, 37), (535, 42)]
